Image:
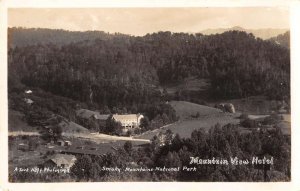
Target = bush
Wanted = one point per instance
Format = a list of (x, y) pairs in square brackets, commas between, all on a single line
[(128, 146), (248, 123), (32, 145), (145, 122), (272, 119), (244, 116), (128, 133), (113, 127), (137, 131)]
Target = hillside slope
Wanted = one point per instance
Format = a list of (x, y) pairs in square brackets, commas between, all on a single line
[(71, 127), (131, 69), (16, 122), (185, 110), (208, 117)]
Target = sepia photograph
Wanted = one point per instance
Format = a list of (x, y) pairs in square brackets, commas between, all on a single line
[(161, 94)]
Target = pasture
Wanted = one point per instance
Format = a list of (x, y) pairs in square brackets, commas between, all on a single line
[(71, 127), (208, 117), (256, 105), (185, 110)]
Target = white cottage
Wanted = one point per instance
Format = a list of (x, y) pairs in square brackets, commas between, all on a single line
[(28, 91)]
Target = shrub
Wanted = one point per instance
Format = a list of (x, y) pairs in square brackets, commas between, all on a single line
[(248, 123), (244, 116), (272, 119)]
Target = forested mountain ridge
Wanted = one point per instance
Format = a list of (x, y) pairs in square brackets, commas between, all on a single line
[(18, 36), (121, 70), (264, 33), (282, 39)]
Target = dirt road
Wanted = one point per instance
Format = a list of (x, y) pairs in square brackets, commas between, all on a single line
[(21, 133), (100, 138)]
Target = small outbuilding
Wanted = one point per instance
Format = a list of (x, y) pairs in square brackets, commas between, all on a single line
[(28, 101), (68, 143), (61, 143), (226, 107), (61, 160)]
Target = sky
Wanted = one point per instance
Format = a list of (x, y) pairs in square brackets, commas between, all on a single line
[(140, 21)]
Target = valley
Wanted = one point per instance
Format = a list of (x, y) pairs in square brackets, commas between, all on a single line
[(84, 100)]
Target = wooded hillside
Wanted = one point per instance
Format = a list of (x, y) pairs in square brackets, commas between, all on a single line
[(121, 70)]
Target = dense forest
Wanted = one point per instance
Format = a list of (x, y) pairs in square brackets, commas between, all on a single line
[(116, 70)]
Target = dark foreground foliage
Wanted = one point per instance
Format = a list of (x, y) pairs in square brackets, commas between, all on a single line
[(220, 143)]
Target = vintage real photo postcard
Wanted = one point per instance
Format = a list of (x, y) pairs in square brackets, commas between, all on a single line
[(161, 94)]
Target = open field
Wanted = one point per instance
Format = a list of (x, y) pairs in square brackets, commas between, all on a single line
[(185, 110), (186, 127), (71, 127), (256, 105), (208, 117)]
